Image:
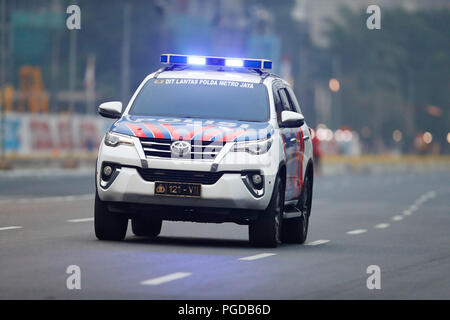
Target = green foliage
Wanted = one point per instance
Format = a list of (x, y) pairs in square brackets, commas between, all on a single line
[(389, 76)]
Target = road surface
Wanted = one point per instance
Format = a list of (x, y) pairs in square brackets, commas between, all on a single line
[(397, 221)]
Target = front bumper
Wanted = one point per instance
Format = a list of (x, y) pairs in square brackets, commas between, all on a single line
[(229, 191)]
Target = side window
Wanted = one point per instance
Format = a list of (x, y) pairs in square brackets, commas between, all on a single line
[(284, 100), (277, 101), (293, 100)]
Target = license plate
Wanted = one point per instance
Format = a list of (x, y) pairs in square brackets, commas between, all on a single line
[(176, 189)]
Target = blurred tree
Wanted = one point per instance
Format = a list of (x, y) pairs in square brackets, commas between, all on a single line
[(102, 32), (390, 76), (297, 48)]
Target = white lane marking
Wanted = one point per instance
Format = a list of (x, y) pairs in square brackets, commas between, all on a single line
[(382, 226), (166, 278), (397, 218), (357, 231), (407, 213), (257, 256), (413, 208), (44, 173), (81, 220), (317, 242), (10, 228), (48, 199)]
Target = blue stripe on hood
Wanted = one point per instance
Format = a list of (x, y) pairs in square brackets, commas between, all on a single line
[(232, 130)]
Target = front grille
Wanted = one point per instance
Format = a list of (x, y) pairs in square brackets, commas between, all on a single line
[(153, 175), (200, 150)]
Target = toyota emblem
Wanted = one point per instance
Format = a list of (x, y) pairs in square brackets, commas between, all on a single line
[(180, 149)]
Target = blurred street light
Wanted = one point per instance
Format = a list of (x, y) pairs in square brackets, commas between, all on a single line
[(334, 85), (448, 137), (323, 133), (2, 80), (339, 135), (343, 135), (73, 50), (126, 53), (427, 137), (397, 136)]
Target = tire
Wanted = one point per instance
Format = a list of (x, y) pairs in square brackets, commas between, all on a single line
[(108, 226), (266, 230), (146, 227), (295, 230)]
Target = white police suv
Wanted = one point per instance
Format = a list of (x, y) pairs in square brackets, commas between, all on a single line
[(207, 139)]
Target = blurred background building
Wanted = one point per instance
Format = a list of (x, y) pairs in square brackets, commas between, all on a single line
[(365, 91)]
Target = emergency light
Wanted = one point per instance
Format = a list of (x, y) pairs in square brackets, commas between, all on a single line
[(216, 61)]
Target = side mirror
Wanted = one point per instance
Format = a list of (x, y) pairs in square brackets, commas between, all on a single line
[(290, 119), (111, 110)]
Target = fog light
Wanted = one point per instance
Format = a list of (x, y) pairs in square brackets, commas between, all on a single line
[(256, 179), (107, 171)]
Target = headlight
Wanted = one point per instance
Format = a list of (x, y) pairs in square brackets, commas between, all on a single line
[(253, 147), (113, 139)]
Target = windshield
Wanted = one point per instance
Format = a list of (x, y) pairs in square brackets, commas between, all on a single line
[(203, 99)]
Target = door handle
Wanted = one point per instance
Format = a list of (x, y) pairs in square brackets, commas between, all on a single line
[(306, 138), (293, 140)]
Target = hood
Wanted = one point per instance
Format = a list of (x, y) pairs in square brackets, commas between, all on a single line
[(192, 129)]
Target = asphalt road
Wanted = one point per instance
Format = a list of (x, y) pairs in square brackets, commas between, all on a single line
[(397, 221)]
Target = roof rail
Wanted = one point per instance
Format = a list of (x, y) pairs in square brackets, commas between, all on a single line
[(168, 68), (263, 75)]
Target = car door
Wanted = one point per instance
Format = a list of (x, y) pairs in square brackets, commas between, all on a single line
[(290, 141), (302, 134)]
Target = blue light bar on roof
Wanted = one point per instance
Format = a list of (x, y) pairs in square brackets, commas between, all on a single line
[(216, 61)]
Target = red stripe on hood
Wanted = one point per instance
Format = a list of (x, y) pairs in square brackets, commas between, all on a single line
[(233, 135), (173, 132), (208, 136), (136, 130), (155, 131), (195, 132)]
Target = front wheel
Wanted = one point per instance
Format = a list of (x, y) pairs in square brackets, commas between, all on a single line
[(266, 230), (108, 225)]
